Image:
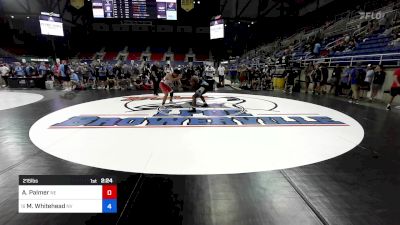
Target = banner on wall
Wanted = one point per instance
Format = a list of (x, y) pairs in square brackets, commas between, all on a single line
[(77, 3), (187, 5)]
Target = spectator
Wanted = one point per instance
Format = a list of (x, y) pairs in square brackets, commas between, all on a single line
[(221, 75), (19, 70), (138, 83), (395, 88), (4, 72), (92, 76), (335, 80), (382, 23), (243, 76), (366, 85), (347, 38), (325, 75), (289, 77), (256, 81), (357, 76), (370, 28), (266, 81), (168, 69), (42, 69), (156, 76), (250, 77), (309, 74), (65, 75), (29, 70), (396, 39), (56, 72), (377, 81), (344, 80), (112, 71), (317, 49), (209, 76), (75, 82), (121, 81), (317, 80), (102, 75), (233, 71)]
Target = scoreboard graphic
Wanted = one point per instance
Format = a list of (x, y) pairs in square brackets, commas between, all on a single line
[(67, 194), (135, 9)]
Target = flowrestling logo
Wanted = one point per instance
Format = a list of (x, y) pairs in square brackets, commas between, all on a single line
[(222, 111), (372, 15)]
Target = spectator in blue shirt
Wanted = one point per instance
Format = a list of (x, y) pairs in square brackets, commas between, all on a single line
[(74, 80), (42, 69), (357, 75), (30, 70), (19, 70), (317, 49), (74, 77), (102, 76), (64, 71)]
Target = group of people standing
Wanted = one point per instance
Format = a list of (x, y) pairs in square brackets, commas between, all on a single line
[(358, 80), (105, 75), (254, 78), (102, 75)]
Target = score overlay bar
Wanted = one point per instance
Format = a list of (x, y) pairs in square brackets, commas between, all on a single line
[(67, 194)]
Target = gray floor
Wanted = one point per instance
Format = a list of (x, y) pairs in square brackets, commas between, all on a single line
[(360, 187)]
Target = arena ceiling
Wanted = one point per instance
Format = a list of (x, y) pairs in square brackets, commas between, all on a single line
[(230, 9), (259, 9)]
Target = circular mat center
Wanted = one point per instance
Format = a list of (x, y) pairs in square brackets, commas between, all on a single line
[(236, 133)]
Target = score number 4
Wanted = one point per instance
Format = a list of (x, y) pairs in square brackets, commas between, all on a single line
[(109, 198)]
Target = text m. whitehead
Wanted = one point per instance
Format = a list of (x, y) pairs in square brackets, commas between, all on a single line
[(49, 206)]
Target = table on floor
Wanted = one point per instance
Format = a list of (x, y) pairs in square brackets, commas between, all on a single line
[(26, 82)]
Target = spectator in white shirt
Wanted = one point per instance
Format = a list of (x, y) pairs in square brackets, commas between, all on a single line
[(221, 75), (209, 72), (168, 69), (4, 72), (209, 76)]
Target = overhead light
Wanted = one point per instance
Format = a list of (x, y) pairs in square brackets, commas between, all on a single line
[(248, 25), (239, 22), (194, 2), (12, 17), (198, 2), (27, 17), (252, 22), (226, 25)]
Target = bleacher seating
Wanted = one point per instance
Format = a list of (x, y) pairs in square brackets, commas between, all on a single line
[(86, 55), (156, 56), (179, 53), (333, 34), (158, 49), (134, 56), (110, 56), (179, 57), (374, 44), (157, 53), (201, 54), (16, 51), (201, 57), (135, 52)]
